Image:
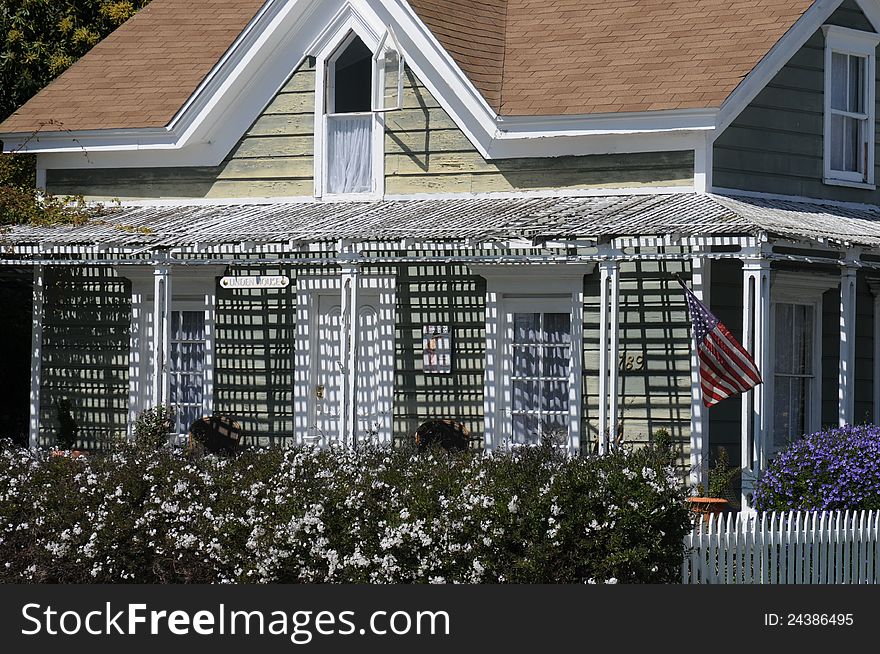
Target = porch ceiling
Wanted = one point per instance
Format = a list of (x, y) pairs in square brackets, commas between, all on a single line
[(455, 220)]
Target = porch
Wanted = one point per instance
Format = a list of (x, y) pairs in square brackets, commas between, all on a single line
[(395, 267)]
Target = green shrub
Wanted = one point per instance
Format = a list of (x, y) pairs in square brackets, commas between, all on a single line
[(152, 427), (372, 515)]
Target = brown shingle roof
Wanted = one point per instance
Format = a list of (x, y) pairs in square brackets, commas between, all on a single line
[(527, 57), (600, 56), (143, 73)]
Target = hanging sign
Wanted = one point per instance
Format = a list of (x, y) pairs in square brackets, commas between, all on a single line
[(437, 349), (256, 281)]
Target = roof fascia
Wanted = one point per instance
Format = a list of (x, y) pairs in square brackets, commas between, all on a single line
[(259, 63), (780, 54)]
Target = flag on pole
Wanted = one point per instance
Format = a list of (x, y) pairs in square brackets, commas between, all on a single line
[(726, 368)]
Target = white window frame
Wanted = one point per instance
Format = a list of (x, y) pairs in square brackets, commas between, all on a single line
[(389, 42), (847, 41), (338, 36), (803, 289), (550, 288)]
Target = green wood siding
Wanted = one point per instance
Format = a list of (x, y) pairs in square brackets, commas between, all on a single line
[(654, 325), (426, 153), (273, 159), (86, 325), (439, 295), (725, 301), (776, 144), (254, 349)]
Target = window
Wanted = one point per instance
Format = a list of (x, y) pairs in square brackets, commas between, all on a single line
[(541, 355), (849, 106), (360, 85), (350, 120), (795, 375), (186, 363), (795, 388)]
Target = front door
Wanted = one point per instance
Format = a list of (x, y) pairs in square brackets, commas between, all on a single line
[(374, 352)]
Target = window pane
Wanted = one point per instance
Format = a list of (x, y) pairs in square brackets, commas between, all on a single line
[(526, 327), (837, 141), (556, 362), (349, 150), (525, 429), (852, 149), (525, 361), (555, 396), (557, 328), (838, 81), (525, 395), (784, 320), (856, 90)]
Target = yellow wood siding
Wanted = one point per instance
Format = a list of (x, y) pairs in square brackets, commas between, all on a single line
[(426, 153)]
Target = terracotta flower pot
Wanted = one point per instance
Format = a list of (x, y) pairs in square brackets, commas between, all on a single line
[(708, 506), (73, 454)]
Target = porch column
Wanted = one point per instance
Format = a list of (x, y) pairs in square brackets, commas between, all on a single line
[(846, 375), (36, 357), (756, 339), (161, 333), (699, 456), (349, 349), (609, 344)]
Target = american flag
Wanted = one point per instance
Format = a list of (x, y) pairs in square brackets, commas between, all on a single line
[(726, 368)]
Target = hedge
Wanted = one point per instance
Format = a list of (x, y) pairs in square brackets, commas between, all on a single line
[(368, 516)]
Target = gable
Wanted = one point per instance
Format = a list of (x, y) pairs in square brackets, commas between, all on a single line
[(775, 145)]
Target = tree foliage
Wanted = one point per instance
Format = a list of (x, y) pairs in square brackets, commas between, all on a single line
[(42, 38)]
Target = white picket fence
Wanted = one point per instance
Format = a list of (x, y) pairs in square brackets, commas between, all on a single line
[(834, 547)]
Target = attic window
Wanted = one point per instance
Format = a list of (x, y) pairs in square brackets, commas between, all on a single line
[(849, 106), (361, 84)]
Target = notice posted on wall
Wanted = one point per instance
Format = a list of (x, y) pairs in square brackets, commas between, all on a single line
[(437, 349)]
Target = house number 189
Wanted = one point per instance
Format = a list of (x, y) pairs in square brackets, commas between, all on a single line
[(631, 362)]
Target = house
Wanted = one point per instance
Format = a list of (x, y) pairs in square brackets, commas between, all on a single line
[(340, 218)]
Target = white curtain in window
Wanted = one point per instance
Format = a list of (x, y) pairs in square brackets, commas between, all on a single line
[(350, 153)]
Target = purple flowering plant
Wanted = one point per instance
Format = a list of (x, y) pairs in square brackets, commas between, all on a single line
[(833, 469)]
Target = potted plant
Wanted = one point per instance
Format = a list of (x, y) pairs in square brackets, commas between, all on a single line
[(721, 480), (68, 432)]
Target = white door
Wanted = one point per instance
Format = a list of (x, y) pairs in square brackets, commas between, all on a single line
[(374, 354)]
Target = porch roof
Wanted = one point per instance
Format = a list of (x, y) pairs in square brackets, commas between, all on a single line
[(167, 226)]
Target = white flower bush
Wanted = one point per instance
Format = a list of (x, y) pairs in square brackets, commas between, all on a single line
[(340, 516)]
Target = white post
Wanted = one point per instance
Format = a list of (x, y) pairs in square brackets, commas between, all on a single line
[(36, 357), (609, 339), (349, 350), (756, 337), (161, 333), (699, 455), (846, 375)]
